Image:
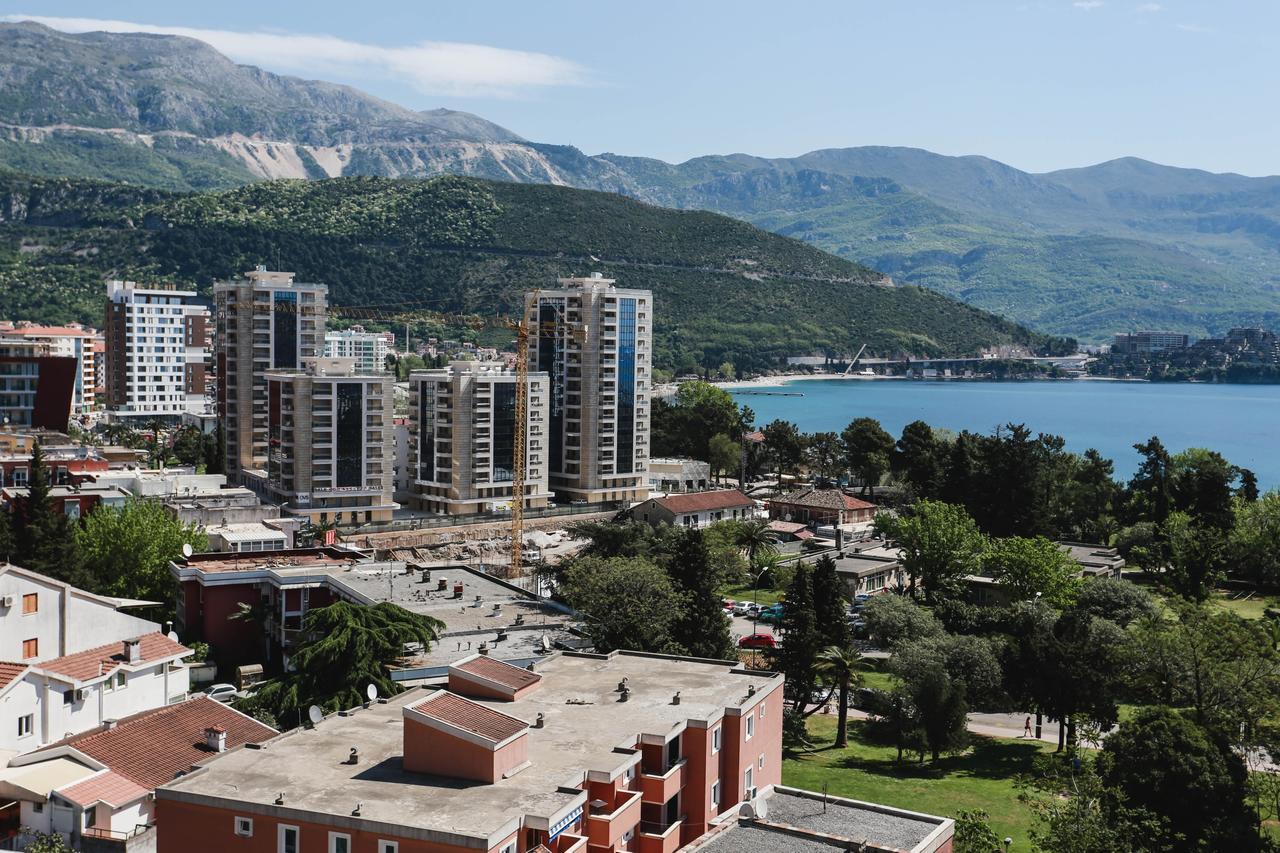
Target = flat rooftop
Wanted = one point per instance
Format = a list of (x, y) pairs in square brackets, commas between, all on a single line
[(585, 728), (309, 560), (828, 825)]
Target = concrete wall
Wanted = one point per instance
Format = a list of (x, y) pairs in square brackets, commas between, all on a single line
[(88, 621)]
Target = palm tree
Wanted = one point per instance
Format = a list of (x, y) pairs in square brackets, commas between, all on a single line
[(755, 537), (841, 665)]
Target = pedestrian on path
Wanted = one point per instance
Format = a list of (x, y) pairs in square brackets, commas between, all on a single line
[(1026, 728)]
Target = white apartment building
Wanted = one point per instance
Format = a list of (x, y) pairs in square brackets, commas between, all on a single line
[(462, 438), (369, 350), (331, 442), (156, 353), (73, 660), (594, 341), (265, 321)]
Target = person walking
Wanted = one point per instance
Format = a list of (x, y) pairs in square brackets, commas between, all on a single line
[(1026, 728)]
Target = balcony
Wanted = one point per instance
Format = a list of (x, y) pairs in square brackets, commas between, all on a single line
[(657, 788), (563, 843), (659, 838), (607, 824)]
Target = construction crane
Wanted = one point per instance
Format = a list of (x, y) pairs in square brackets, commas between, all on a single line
[(397, 313)]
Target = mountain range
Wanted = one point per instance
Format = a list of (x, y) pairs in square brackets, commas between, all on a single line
[(1085, 252)]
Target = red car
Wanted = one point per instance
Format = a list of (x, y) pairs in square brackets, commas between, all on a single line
[(758, 641)]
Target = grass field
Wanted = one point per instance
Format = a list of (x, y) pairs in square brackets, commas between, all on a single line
[(980, 778), (745, 593), (1251, 608)]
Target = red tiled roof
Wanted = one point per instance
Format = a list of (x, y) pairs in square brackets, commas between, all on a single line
[(757, 437), (109, 787), (706, 501), (470, 716), (98, 661), (501, 672), (151, 748), (822, 498), (10, 672), (779, 526)]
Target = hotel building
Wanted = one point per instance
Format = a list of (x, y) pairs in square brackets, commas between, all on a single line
[(594, 341), (369, 350), (462, 435)]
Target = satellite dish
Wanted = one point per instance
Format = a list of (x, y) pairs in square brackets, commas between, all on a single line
[(173, 636), (761, 806), (186, 550), (316, 715), (747, 811), (372, 692), (545, 643)]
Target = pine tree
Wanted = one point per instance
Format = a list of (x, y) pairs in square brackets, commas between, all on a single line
[(701, 628), (7, 543), (44, 540), (801, 640), (829, 604)]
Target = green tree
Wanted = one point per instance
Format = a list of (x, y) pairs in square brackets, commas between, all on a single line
[(786, 445), (1118, 601), (974, 833), (801, 640), (726, 370), (1076, 813), (1031, 567), (919, 458), (1202, 486), (1196, 556), (700, 411), (895, 619), (8, 545), (756, 540), (1254, 544), (825, 452), (128, 549), (940, 545), (1165, 764), (1151, 489), (829, 603), (699, 628), (941, 709), (188, 446), (343, 648), (840, 665), (723, 455), (1248, 489), (868, 449), (45, 540), (45, 843), (625, 602)]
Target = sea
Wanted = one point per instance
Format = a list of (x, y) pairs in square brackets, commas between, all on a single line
[(1242, 422)]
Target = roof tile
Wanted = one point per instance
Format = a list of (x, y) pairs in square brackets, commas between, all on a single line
[(501, 672), (100, 660), (109, 787), (822, 498), (470, 716), (10, 672), (706, 501)]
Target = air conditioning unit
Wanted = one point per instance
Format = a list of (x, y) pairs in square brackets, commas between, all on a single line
[(10, 600), (81, 694)]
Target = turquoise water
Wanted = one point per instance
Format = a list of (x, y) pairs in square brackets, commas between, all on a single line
[(1242, 422)]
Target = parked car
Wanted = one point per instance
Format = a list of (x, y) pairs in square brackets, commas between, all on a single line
[(221, 692), (728, 604), (772, 615), (758, 641), (742, 608)]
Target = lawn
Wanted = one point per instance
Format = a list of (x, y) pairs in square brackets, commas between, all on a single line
[(980, 778), (744, 592), (1250, 608)]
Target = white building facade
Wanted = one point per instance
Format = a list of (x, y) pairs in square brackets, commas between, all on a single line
[(155, 351), (369, 350)]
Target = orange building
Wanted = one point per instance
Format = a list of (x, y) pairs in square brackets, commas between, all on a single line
[(585, 752)]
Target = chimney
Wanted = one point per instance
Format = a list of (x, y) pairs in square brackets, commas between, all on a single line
[(110, 725), (215, 737), (133, 650)]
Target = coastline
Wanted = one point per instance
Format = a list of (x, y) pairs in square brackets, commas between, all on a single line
[(782, 379)]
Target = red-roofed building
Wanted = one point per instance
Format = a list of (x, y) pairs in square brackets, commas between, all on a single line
[(122, 763), (813, 505), (695, 509), (481, 675), (448, 735)]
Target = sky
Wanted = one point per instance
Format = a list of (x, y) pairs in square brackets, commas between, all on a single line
[(1038, 84)]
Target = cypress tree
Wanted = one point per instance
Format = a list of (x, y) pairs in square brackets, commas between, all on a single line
[(801, 639), (829, 604), (45, 540), (701, 628)]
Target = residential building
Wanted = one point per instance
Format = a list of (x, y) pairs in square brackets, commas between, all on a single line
[(36, 388), (231, 505), (577, 752), (96, 787), (1138, 343), (265, 321), (871, 570), (678, 475), (698, 509), (403, 467), (462, 438), (594, 341), (814, 506), (156, 348), (67, 465), (474, 608), (331, 442), (252, 536), (74, 501), (1094, 560), (73, 341), (369, 350)]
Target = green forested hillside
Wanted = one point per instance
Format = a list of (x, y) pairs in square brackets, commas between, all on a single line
[(725, 290)]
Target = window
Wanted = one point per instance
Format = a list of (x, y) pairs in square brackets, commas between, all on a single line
[(715, 795), (339, 843), (30, 603), (38, 808), (31, 648), (68, 697), (762, 761), (71, 508), (90, 816), (748, 779), (287, 839), (762, 710), (751, 726), (244, 827), (388, 846), (715, 740), (26, 725), (509, 848), (122, 680)]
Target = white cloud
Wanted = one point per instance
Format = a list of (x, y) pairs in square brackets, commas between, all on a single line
[(434, 67), (1088, 5), (1150, 8), (1193, 28)]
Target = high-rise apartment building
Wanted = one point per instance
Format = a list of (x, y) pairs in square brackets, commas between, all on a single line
[(71, 341), (462, 438), (265, 321), (1138, 343), (156, 351), (368, 349), (331, 443), (35, 387), (594, 341)]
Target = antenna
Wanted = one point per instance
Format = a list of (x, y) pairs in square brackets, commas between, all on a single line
[(372, 692), (316, 715)]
